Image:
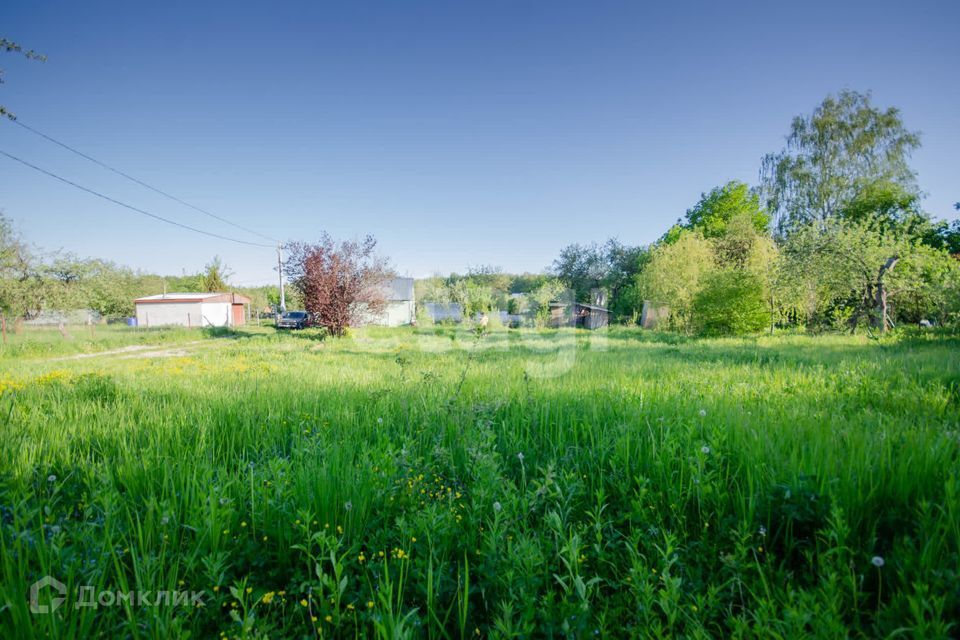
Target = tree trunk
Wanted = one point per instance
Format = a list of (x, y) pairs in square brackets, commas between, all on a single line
[(880, 298)]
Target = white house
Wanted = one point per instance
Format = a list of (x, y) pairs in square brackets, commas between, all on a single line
[(401, 308), (192, 310)]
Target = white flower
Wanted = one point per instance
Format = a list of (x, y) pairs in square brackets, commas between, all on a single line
[(877, 561), (520, 456), (705, 450), (703, 413), (763, 531), (497, 507), (348, 505), (164, 519), (379, 420), (51, 478)]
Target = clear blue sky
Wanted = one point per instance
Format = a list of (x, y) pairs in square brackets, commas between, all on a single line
[(459, 133)]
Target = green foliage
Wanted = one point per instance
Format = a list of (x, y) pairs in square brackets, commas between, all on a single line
[(829, 267), (17, 274), (215, 275), (716, 209), (601, 274), (731, 302), (846, 158), (675, 274)]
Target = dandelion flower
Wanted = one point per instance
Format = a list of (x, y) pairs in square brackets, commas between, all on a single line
[(497, 507), (520, 456), (369, 604), (705, 450), (348, 505), (379, 420), (877, 561), (51, 478), (703, 413)]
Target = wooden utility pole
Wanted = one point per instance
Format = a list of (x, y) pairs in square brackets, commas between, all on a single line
[(283, 300)]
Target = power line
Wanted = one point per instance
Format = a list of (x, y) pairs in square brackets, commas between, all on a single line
[(140, 182), (131, 207)]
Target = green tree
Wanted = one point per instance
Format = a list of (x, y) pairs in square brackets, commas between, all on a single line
[(215, 275), (731, 302), (843, 152), (716, 209), (856, 271), (675, 274), (19, 290), (600, 274)]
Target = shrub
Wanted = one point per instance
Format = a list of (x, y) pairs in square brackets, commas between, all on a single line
[(731, 303)]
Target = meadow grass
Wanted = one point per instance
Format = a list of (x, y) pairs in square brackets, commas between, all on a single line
[(434, 483)]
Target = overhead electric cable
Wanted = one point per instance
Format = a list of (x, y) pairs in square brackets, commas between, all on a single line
[(140, 182), (131, 207)]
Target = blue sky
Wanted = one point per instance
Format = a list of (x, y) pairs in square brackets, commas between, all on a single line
[(458, 133)]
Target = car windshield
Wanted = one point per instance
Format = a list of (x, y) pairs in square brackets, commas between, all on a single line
[(294, 315)]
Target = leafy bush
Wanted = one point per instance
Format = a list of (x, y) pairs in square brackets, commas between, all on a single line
[(731, 303)]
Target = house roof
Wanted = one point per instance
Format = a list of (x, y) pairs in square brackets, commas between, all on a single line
[(399, 289), (234, 298)]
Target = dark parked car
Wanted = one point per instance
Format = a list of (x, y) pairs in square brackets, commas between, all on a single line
[(293, 320)]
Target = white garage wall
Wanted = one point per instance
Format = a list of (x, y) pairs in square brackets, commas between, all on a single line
[(216, 314), (169, 313)]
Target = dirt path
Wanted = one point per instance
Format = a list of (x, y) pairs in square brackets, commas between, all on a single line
[(134, 351)]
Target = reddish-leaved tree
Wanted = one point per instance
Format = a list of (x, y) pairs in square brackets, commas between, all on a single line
[(341, 282)]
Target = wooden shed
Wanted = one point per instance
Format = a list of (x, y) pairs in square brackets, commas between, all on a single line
[(582, 316)]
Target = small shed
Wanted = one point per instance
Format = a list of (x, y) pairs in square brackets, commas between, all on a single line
[(582, 316), (401, 308), (590, 316), (193, 310)]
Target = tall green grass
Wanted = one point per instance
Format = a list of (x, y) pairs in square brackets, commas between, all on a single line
[(429, 483)]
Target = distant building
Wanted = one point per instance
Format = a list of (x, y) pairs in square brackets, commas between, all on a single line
[(582, 316), (444, 311), (193, 310), (401, 307)]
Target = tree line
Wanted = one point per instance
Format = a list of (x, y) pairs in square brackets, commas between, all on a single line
[(833, 236), (33, 281)]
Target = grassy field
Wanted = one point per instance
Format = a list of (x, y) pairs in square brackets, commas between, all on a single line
[(430, 483)]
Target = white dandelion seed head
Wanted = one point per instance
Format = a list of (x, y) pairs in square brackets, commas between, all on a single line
[(348, 505), (497, 507), (705, 450), (877, 561), (51, 478), (165, 520), (763, 531), (520, 456), (379, 420), (703, 413)]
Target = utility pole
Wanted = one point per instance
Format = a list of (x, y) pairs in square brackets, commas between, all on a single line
[(283, 300)]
